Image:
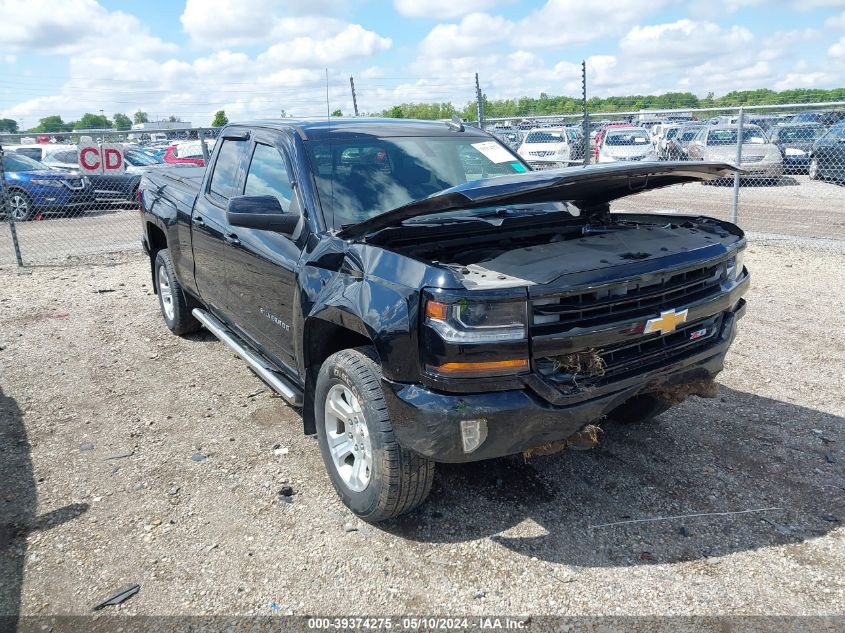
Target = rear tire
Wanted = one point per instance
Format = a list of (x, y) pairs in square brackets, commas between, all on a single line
[(175, 308), (639, 409), (374, 476)]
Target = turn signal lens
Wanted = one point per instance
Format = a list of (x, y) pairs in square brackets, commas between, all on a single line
[(436, 310), (487, 368)]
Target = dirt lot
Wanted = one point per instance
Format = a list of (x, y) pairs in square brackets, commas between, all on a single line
[(103, 413)]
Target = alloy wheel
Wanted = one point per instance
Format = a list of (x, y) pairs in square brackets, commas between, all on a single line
[(348, 438), (165, 293)]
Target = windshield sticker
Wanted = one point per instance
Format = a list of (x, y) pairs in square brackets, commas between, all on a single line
[(493, 151), (518, 167)]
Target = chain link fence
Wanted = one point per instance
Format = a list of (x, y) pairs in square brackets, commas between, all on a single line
[(75, 195), (792, 159)]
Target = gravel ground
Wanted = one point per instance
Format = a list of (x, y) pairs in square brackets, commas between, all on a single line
[(793, 205), (128, 455)]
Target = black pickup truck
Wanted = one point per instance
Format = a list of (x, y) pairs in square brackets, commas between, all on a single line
[(424, 296)]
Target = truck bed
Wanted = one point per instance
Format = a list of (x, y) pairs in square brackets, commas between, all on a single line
[(179, 185)]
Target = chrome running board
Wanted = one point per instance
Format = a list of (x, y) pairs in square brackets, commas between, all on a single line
[(280, 384)]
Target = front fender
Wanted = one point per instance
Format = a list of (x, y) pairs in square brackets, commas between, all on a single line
[(367, 306)]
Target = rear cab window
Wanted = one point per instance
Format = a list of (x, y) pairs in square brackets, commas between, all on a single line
[(224, 180)]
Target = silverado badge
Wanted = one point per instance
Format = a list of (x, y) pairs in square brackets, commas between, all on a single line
[(666, 322)]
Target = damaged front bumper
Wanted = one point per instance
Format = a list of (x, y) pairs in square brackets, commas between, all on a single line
[(429, 422)]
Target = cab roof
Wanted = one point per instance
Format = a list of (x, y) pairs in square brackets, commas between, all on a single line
[(323, 129)]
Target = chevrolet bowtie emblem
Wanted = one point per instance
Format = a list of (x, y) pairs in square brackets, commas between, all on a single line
[(666, 322)]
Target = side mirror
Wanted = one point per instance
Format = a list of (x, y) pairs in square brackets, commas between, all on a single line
[(260, 212)]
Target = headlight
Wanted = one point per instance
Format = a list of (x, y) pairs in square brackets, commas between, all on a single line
[(735, 265), (791, 151), (467, 321), (46, 183)]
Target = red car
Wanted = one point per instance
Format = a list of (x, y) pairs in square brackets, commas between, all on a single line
[(184, 154)]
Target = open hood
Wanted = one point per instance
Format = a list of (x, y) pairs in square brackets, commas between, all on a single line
[(584, 186)]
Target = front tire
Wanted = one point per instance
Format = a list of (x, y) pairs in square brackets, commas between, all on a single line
[(172, 299), (814, 172), (20, 204), (374, 476)]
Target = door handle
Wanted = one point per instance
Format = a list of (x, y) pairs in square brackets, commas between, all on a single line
[(197, 219), (232, 238)]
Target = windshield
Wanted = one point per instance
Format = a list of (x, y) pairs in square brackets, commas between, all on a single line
[(627, 137), (809, 133), (18, 162), (727, 136), (140, 159), (689, 134), (358, 179), (544, 137)]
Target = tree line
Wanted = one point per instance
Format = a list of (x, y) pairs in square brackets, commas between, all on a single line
[(493, 108), (54, 124), (545, 104)]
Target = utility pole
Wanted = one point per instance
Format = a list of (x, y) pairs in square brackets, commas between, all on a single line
[(586, 120), (354, 99), (479, 103)]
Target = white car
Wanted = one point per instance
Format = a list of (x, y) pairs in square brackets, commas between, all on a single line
[(760, 157), (40, 151), (626, 144), (546, 147)]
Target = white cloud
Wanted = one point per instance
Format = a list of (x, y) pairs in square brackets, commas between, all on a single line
[(75, 27), (836, 22), (440, 9), (809, 5), (569, 22), (838, 49), (468, 37), (353, 42), (679, 44), (224, 23)]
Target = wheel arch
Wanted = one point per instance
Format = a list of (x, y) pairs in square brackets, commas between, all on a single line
[(157, 240), (323, 335)]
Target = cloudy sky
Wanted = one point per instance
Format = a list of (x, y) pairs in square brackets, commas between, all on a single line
[(258, 57)]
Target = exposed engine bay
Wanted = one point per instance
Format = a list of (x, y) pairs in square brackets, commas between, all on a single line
[(540, 254)]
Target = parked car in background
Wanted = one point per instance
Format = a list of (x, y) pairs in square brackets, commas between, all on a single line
[(597, 140), (546, 147), (34, 188), (40, 151), (627, 144), (511, 138), (795, 142), (576, 143), (667, 133), (676, 147), (827, 158), (760, 157), (807, 117), (187, 153), (110, 187), (832, 117)]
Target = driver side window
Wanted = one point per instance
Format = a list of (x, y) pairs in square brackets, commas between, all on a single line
[(268, 176)]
